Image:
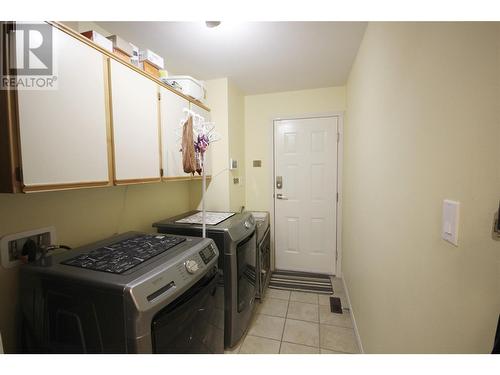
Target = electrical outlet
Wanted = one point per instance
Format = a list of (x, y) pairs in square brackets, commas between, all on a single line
[(11, 246)]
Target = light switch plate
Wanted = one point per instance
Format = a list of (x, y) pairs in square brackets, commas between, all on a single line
[(451, 214)]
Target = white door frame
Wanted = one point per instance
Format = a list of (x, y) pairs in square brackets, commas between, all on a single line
[(340, 151)]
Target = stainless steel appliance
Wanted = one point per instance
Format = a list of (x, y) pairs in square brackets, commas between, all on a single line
[(263, 251), (235, 237), (132, 293)]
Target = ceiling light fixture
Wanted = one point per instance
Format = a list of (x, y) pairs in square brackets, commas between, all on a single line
[(212, 24)]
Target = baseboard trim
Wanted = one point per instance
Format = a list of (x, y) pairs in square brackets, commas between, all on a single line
[(351, 311)]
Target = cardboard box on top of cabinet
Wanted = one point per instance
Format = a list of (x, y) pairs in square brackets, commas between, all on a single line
[(121, 45), (121, 48), (152, 58), (149, 68), (121, 55), (99, 39)]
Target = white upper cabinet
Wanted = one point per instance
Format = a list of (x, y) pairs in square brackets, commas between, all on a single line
[(208, 156), (135, 125), (171, 106), (102, 123), (62, 131)]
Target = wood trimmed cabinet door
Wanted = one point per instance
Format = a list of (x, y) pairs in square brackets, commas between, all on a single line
[(171, 112), (62, 132), (135, 123), (206, 115)]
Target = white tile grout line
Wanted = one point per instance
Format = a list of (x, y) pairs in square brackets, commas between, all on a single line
[(281, 341), (318, 347), (317, 304), (295, 343), (319, 330), (351, 311), (245, 334), (284, 324), (307, 321)]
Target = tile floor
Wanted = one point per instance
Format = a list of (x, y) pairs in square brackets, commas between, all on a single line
[(299, 323)]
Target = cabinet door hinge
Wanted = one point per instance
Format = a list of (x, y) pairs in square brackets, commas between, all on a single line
[(19, 174)]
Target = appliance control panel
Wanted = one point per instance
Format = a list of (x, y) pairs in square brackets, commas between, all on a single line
[(192, 266), (174, 276), (208, 253)]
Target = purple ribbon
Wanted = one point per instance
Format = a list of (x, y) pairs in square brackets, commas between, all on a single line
[(201, 143)]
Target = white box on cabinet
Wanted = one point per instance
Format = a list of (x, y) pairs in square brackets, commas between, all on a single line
[(152, 58), (189, 86)]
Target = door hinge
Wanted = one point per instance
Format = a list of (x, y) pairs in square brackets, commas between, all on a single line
[(19, 174), (161, 172), (159, 96), (338, 137), (337, 197)]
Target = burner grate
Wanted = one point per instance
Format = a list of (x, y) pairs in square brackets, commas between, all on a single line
[(126, 254)]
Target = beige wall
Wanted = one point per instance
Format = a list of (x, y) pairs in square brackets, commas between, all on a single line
[(260, 110), (423, 106), (217, 196), (226, 102), (80, 217), (83, 26), (236, 107)]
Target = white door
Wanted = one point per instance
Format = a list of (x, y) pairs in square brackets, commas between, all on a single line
[(135, 125), (63, 131), (171, 106), (305, 189)]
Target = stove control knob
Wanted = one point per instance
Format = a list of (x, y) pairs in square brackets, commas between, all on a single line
[(247, 224), (192, 266)]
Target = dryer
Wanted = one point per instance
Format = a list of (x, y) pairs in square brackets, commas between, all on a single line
[(235, 236)]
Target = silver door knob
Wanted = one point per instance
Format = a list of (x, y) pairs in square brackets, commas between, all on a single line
[(281, 196)]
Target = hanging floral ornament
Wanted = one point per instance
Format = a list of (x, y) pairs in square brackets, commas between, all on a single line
[(200, 146)]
